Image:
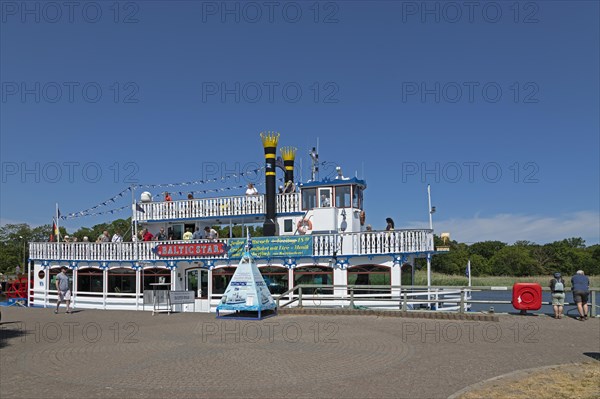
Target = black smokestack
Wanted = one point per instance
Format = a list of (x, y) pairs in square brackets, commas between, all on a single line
[(288, 154), (269, 140)]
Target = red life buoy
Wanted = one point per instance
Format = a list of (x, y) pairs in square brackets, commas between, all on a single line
[(303, 226)]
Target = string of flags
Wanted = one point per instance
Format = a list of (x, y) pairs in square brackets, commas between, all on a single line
[(86, 212), (90, 211), (210, 190), (192, 183)]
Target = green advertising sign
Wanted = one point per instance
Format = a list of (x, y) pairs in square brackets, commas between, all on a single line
[(271, 247)]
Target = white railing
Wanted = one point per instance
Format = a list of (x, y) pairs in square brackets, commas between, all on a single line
[(397, 241), (109, 251), (216, 207), (365, 243)]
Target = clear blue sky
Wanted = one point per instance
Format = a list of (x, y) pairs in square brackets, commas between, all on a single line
[(497, 106)]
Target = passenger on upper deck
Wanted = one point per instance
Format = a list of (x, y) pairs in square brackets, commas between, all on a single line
[(161, 235), (168, 197), (197, 234), (211, 233), (251, 189), (188, 234), (390, 224), (290, 187), (146, 235)]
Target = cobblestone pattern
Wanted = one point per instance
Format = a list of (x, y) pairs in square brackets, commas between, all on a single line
[(110, 354)]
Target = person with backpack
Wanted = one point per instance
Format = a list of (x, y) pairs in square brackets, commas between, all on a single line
[(557, 286)]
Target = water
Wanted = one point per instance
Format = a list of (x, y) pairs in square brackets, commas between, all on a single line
[(570, 310)]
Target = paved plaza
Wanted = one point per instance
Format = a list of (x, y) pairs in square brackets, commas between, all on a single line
[(95, 353)]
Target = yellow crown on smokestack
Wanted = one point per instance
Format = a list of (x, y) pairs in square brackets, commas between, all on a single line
[(269, 139), (288, 153)]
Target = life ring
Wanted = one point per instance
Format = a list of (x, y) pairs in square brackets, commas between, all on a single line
[(362, 218), (303, 226)]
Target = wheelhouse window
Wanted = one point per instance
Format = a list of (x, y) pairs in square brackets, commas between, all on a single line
[(276, 279), (121, 281), (309, 198), (325, 197), (221, 278), (357, 197), (342, 196), (155, 275), (314, 275), (90, 280), (369, 275)]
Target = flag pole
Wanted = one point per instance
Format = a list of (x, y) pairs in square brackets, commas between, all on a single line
[(57, 230), (57, 225)]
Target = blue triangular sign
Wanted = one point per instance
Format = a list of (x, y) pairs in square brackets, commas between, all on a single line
[(247, 291)]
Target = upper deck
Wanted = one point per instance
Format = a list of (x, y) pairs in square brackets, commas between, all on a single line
[(370, 243), (243, 207)]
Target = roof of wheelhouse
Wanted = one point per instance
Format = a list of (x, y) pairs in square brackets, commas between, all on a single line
[(335, 182)]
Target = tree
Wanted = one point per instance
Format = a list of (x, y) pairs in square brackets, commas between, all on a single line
[(486, 249), (513, 261)]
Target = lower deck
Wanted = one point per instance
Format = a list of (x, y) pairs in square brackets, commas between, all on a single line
[(127, 286)]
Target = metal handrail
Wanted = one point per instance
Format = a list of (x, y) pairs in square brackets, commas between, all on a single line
[(405, 293)]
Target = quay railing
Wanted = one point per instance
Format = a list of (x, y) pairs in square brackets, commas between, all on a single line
[(404, 298), (215, 207), (364, 243)]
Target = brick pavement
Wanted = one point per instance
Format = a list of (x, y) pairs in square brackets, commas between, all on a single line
[(96, 353)]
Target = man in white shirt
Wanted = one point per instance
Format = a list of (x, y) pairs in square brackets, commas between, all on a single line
[(117, 237)]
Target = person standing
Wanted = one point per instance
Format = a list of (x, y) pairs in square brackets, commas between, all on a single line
[(188, 234), (557, 287), (251, 190), (62, 286), (211, 233), (117, 237), (581, 291), (197, 234), (390, 224)]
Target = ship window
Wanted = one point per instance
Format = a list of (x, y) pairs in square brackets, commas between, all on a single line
[(369, 275), (314, 275), (90, 280), (155, 275), (288, 225), (276, 279), (357, 197), (325, 197), (309, 198), (221, 278), (342, 196), (121, 280)]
